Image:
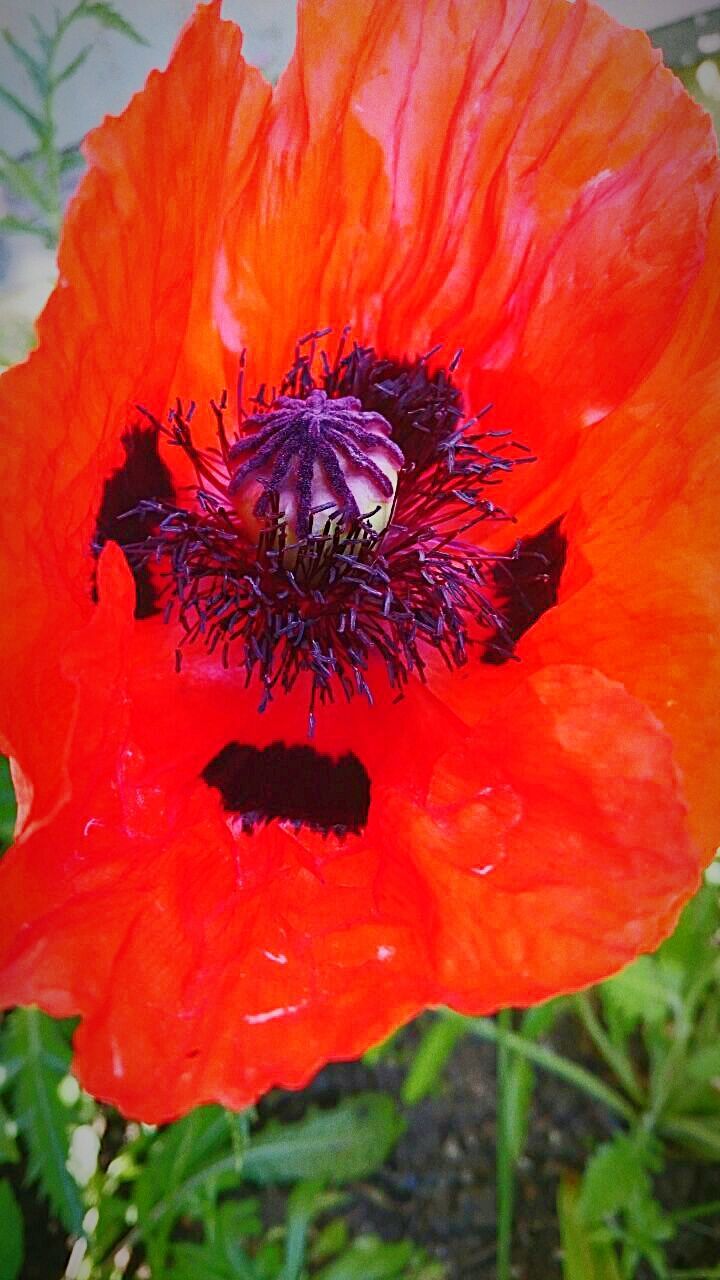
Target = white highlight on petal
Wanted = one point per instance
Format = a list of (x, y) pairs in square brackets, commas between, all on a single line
[(228, 326), (594, 414), (117, 1062), (270, 1014)]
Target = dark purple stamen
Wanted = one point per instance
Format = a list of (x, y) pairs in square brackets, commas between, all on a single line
[(345, 597), (528, 581), (307, 432), (142, 475)]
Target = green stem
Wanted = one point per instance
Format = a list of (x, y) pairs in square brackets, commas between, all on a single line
[(504, 1165), (549, 1060), (696, 1211), (692, 1131), (614, 1057), (695, 1273)]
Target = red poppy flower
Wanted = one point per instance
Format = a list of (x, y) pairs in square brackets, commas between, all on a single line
[(414, 753)]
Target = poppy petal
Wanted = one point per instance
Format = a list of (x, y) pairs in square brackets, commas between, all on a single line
[(539, 831), (646, 528), (213, 985), (131, 292), (522, 179), (544, 202)]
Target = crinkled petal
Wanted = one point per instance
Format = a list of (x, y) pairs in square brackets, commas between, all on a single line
[(132, 295), (543, 202), (551, 819), (522, 179)]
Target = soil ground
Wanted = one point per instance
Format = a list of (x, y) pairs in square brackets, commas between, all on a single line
[(437, 1188)]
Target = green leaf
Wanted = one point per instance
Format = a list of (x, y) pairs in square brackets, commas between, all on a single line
[(190, 1261), (45, 41), (431, 1057), (12, 1250), (368, 1258), (7, 804), (636, 995), (19, 177), (536, 1023), (348, 1142), (646, 1230), (22, 226), (34, 122), (222, 1257), (303, 1204), (691, 946), (71, 159), (238, 1123), (107, 15), (698, 1133), (330, 1239), (378, 1052), (704, 1065), (72, 66), (540, 1020), (616, 1171), (166, 1185), (9, 1153), (583, 1258), (37, 1057), (35, 69)]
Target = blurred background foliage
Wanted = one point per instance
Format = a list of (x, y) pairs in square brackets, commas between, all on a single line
[(414, 1164)]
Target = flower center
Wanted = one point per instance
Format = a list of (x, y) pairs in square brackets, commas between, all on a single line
[(329, 536), (315, 457)]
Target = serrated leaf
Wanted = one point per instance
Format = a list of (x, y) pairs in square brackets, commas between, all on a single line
[(107, 15), (637, 995), (616, 1172), (12, 1241), (178, 1158), (38, 1043), (369, 1258), (348, 1142)]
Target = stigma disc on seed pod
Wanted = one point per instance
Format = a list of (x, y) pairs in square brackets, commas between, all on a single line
[(318, 462)]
